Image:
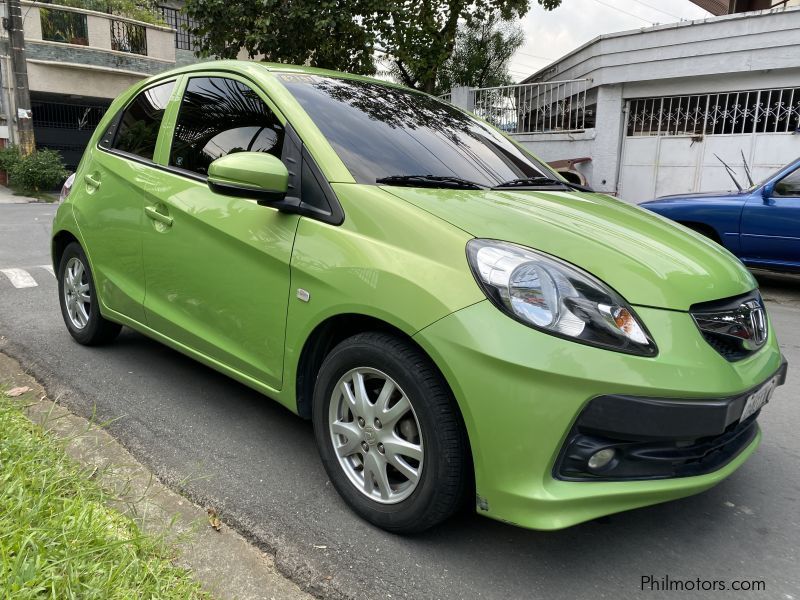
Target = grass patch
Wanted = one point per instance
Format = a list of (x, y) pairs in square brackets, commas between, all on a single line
[(58, 536)]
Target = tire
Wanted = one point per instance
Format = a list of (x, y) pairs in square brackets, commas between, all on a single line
[(422, 434), (82, 318)]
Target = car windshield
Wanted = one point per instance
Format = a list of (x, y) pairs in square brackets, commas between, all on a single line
[(795, 162), (380, 131)]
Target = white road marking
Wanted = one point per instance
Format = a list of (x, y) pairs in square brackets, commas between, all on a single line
[(48, 268), (19, 278)]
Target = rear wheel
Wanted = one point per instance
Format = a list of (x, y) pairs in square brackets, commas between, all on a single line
[(389, 433), (78, 299)]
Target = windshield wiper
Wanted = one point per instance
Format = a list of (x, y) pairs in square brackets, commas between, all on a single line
[(541, 181), (439, 181)]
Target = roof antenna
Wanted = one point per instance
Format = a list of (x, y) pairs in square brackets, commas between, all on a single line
[(730, 172), (747, 169)]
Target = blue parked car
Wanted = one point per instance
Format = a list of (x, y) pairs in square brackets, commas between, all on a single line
[(759, 224)]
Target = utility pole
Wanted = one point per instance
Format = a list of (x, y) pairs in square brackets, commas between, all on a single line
[(19, 63)]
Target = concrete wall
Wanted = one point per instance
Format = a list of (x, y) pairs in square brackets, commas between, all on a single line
[(68, 79), (730, 44)]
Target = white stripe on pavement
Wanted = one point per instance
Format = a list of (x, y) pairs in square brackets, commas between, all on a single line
[(19, 278), (48, 268)]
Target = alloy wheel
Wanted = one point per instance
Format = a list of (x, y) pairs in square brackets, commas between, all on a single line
[(376, 435), (77, 296)]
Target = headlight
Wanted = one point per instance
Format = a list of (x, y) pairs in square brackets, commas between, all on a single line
[(556, 297)]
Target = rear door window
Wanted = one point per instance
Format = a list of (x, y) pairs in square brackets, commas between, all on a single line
[(219, 116), (137, 129)]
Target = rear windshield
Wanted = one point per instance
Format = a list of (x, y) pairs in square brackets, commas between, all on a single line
[(380, 131)]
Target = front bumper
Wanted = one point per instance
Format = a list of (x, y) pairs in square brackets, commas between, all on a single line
[(521, 393), (659, 438)]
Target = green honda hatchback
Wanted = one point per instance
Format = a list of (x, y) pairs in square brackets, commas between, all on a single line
[(460, 324)]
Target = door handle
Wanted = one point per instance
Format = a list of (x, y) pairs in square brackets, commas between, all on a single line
[(151, 212), (91, 180)]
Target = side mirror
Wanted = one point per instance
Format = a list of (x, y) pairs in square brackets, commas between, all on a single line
[(255, 175), (767, 191)]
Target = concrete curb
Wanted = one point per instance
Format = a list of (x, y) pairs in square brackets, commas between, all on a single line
[(7, 197), (223, 561)]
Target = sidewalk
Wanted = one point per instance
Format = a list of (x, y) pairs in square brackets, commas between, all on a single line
[(7, 197), (224, 563)]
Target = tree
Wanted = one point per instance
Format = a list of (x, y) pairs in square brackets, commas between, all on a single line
[(418, 36), (481, 54), (325, 33)]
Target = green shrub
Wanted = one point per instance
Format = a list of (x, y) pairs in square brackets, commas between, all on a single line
[(9, 156), (41, 171)]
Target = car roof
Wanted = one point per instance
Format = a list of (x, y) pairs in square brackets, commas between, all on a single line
[(247, 65)]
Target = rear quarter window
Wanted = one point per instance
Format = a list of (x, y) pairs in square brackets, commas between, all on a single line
[(138, 124)]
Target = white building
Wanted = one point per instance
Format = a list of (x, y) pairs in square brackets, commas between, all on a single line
[(654, 106)]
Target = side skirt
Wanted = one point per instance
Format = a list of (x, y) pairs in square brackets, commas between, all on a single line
[(250, 382)]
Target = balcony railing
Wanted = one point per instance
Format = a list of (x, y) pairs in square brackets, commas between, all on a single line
[(550, 107), (128, 37)]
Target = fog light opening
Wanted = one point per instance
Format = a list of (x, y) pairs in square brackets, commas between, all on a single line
[(601, 458)]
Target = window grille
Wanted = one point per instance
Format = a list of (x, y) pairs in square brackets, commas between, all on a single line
[(182, 24), (752, 111), (128, 37)]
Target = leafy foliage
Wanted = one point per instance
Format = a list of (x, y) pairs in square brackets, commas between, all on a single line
[(323, 33), (40, 171), (418, 36), (9, 156), (481, 55), (141, 10)]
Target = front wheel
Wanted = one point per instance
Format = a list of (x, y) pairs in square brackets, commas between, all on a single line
[(79, 302), (390, 434)]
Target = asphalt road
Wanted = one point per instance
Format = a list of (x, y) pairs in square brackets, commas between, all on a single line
[(228, 447)]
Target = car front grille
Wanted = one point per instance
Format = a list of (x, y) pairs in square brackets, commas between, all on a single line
[(735, 327)]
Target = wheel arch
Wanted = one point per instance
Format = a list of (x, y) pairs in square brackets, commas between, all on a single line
[(704, 228), (322, 340), (59, 243)]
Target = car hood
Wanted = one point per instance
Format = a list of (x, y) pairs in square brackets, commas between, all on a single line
[(695, 196), (649, 260)]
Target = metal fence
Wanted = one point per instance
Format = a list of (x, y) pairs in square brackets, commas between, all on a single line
[(554, 106), (58, 115), (182, 24), (752, 111), (128, 37)]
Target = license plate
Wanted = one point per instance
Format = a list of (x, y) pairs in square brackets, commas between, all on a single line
[(758, 398)]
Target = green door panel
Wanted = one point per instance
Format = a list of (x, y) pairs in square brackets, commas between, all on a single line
[(218, 274), (109, 202)]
